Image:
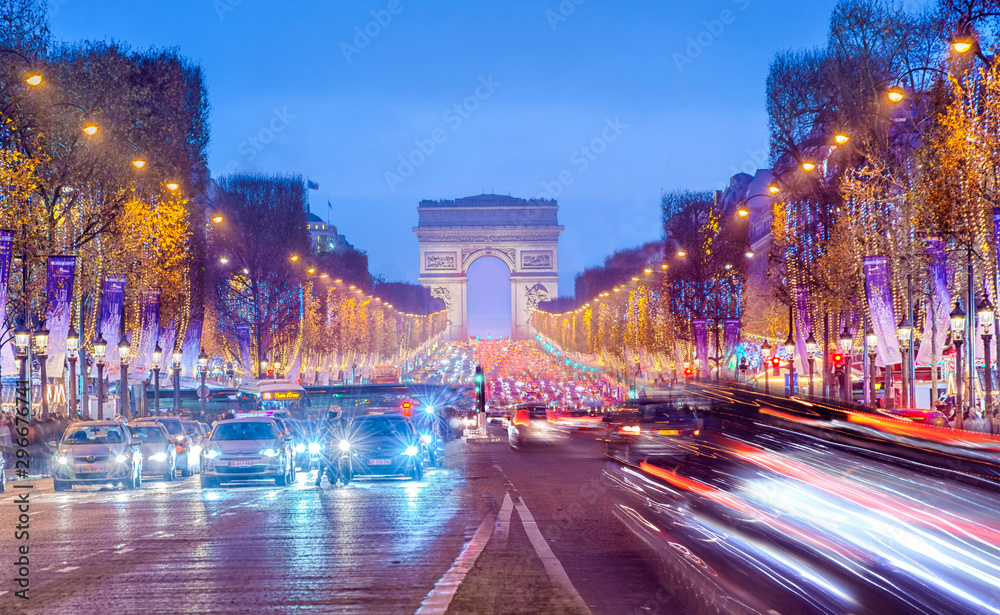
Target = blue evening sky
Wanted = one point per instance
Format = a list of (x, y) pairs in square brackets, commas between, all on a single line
[(682, 82)]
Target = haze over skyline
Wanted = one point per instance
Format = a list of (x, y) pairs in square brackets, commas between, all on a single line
[(445, 100)]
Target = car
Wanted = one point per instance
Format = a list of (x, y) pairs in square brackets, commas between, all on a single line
[(187, 454), (927, 417), (158, 453), (94, 453), (529, 425), (646, 427), (376, 445), (246, 449)]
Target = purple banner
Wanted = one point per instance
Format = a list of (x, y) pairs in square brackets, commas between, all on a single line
[(149, 332), (58, 299), (243, 344), (112, 305), (937, 270), (192, 346), (879, 292), (701, 345), (731, 335), (168, 336), (8, 364), (803, 326)]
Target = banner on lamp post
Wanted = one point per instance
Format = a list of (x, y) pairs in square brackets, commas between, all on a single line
[(243, 343), (701, 345), (58, 299), (731, 336), (937, 270), (803, 326), (149, 327), (192, 345), (112, 306), (8, 362), (879, 293)]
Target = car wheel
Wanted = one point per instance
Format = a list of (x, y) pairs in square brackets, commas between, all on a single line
[(185, 472), (208, 483), (417, 473), (137, 481), (346, 473), (60, 485), (291, 474), (282, 480), (171, 474)]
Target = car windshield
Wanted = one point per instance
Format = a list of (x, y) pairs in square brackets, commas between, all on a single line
[(380, 426), (173, 427), (668, 411), (148, 433), (243, 431), (191, 429), (103, 434)]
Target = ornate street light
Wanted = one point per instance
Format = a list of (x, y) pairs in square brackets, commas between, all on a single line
[(177, 381), (157, 357), (810, 349), (871, 340), (904, 331), (123, 353), (42, 350), (203, 364), (72, 346), (100, 349), (985, 312), (765, 351), (957, 318), (846, 344)]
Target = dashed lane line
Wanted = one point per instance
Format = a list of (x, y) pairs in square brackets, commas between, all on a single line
[(503, 519)]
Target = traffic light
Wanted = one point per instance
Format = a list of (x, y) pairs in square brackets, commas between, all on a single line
[(776, 365), (838, 360), (480, 389), (688, 372)]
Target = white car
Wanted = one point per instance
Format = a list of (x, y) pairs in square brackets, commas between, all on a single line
[(247, 449), (95, 453)]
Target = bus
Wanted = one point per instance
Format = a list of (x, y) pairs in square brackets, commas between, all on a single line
[(273, 397), (385, 374)]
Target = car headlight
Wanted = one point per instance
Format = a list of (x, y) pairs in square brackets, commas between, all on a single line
[(212, 453), (269, 452), (430, 409), (158, 457), (425, 439), (314, 447), (344, 445), (121, 458), (300, 448), (62, 460), (411, 451)]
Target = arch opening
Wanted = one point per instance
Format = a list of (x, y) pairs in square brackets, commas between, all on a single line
[(489, 298)]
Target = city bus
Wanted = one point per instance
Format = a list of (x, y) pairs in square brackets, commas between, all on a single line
[(385, 374), (271, 397)]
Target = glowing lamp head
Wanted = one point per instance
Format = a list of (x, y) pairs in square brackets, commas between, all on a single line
[(139, 163), (773, 189), (217, 219), (34, 79), (157, 354), (681, 253), (124, 350), (962, 45), (90, 129), (895, 94), (173, 186), (72, 340), (294, 258), (765, 348), (808, 166), (846, 341), (743, 211), (841, 138), (957, 318)]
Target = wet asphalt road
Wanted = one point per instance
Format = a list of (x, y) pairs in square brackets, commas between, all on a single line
[(371, 547)]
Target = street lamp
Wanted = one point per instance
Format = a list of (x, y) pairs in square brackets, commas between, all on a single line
[(157, 357), (72, 346), (903, 331), (263, 369), (985, 313), (957, 333), (203, 364), (100, 348), (847, 347), (42, 350), (765, 351), (22, 339), (810, 349), (872, 341), (123, 354), (177, 381)]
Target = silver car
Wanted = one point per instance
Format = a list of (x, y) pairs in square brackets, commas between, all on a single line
[(159, 457), (246, 449), (97, 452)]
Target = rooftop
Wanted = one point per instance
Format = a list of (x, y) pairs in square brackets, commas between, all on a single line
[(490, 200)]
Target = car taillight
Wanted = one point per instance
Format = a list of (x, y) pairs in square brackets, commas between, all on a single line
[(696, 432), (629, 429)]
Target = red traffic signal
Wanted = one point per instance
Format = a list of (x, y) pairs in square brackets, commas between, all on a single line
[(688, 371), (775, 362)]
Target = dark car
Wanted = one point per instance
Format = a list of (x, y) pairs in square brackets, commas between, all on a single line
[(158, 452), (529, 424), (376, 445), (642, 428), (184, 444)]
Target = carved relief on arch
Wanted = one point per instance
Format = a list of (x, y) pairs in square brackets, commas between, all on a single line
[(507, 255)]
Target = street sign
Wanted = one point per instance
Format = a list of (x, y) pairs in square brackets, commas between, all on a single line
[(203, 392)]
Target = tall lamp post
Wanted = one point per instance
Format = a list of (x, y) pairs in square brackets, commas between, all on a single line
[(903, 331), (100, 348), (42, 350), (157, 357), (847, 346), (123, 353), (872, 340), (203, 365), (957, 333), (810, 349), (765, 351), (790, 349), (177, 382), (985, 312), (72, 346), (22, 339)]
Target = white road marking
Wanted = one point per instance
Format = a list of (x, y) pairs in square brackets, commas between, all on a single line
[(437, 601), (68, 569), (503, 519), (3, 592), (125, 550), (552, 566)]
